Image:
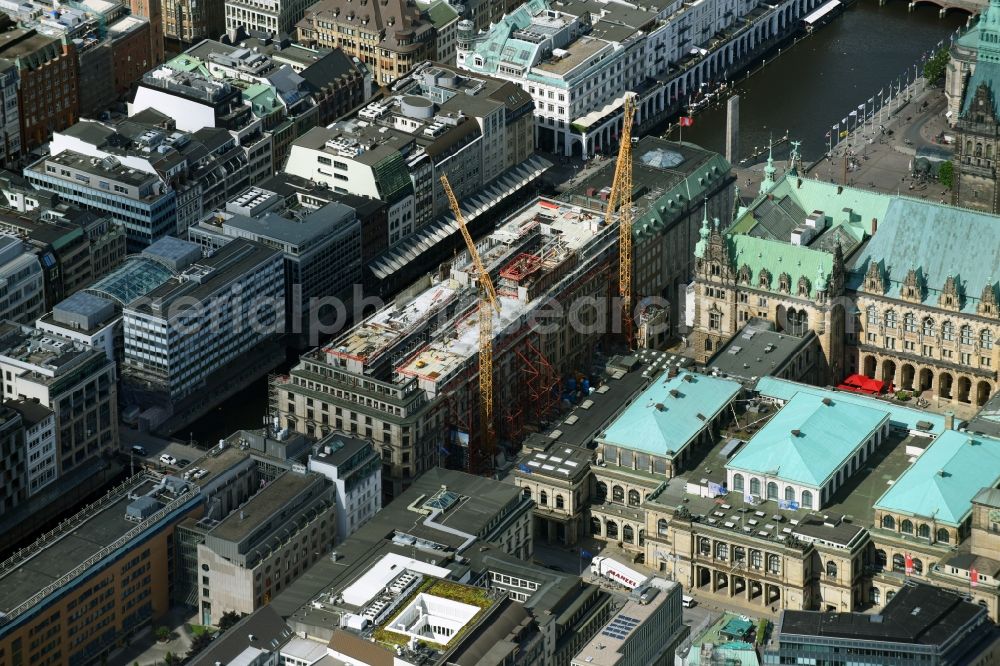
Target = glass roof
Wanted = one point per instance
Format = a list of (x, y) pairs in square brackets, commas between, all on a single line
[(135, 278)]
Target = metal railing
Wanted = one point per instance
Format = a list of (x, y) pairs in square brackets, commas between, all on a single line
[(75, 521)]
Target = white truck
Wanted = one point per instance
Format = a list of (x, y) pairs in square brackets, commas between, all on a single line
[(617, 572)]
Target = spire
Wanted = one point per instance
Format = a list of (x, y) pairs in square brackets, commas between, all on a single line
[(768, 183), (703, 233), (821, 278)]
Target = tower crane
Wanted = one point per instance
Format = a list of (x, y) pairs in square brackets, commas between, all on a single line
[(621, 201), (488, 304)]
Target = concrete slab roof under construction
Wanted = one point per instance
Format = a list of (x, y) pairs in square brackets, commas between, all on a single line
[(533, 252)]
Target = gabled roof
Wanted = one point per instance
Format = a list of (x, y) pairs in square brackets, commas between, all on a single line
[(934, 238), (670, 413), (945, 478), (809, 439)]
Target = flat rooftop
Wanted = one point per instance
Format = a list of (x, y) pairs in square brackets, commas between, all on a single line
[(671, 412), (261, 508), (563, 232), (605, 648), (577, 53), (299, 230), (756, 351), (92, 530), (99, 167), (918, 614)]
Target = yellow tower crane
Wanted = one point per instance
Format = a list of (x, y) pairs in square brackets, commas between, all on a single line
[(488, 303), (621, 201)]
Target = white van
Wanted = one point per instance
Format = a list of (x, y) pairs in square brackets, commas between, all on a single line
[(687, 601)]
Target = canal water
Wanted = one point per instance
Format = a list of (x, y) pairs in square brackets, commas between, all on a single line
[(818, 81), (803, 91)]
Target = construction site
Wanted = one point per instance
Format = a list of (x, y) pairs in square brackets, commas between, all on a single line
[(491, 345), (554, 266)]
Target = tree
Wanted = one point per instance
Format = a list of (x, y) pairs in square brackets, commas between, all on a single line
[(198, 643), (228, 619), (946, 174), (170, 659), (163, 634), (935, 67)]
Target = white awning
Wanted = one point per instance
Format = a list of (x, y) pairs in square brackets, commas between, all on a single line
[(821, 12)]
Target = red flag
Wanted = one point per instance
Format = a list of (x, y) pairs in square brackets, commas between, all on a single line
[(973, 577), (686, 121), (909, 564)]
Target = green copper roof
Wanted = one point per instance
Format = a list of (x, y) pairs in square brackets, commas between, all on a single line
[(670, 413), (776, 258), (987, 73), (188, 63), (263, 99), (934, 238), (945, 478), (899, 416), (672, 203), (809, 439)]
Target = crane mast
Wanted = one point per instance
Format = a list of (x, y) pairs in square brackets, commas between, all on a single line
[(621, 201), (488, 303)]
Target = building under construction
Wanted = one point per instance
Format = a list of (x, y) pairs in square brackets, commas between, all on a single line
[(407, 377)]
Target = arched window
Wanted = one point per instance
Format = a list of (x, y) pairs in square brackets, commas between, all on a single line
[(773, 564), (772, 490), (910, 322), (906, 527), (739, 554), (979, 150), (789, 493), (918, 567), (661, 526), (618, 494), (947, 331), (928, 326), (874, 596), (765, 279), (888, 522), (526, 492), (881, 559), (889, 595), (602, 491), (785, 282), (595, 526), (831, 569), (612, 529), (968, 147), (965, 335), (560, 504), (633, 498), (628, 535), (986, 338), (989, 151), (924, 531), (872, 315), (721, 550), (543, 498), (943, 536), (738, 482), (899, 563), (642, 537), (807, 499), (704, 546), (755, 487), (756, 560), (890, 319)]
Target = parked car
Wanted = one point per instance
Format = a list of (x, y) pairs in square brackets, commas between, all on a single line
[(138, 450), (168, 459)]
